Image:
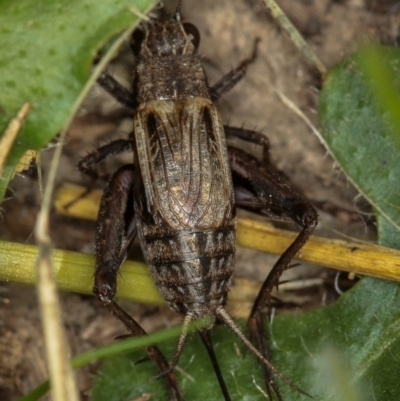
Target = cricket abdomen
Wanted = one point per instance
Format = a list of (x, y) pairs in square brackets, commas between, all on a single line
[(193, 270)]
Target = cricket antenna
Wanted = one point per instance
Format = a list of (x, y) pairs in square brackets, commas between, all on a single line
[(177, 15), (227, 320)]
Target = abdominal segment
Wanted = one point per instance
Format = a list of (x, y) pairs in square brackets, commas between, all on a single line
[(193, 270)]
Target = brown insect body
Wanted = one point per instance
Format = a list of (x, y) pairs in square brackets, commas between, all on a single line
[(184, 194), (180, 195)]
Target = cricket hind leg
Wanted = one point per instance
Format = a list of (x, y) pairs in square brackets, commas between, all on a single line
[(228, 81), (259, 188), (154, 353), (115, 232)]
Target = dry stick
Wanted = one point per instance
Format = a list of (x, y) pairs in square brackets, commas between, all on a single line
[(25, 161), (295, 35), (354, 257), (296, 110), (11, 133), (74, 271), (40, 176), (63, 384)]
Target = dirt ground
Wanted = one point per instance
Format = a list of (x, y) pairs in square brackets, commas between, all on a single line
[(228, 29)]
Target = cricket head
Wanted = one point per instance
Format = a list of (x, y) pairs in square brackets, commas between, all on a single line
[(167, 37)]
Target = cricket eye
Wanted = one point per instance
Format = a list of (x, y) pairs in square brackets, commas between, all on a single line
[(192, 33), (136, 41)]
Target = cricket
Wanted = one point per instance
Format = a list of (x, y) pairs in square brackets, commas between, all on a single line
[(180, 193)]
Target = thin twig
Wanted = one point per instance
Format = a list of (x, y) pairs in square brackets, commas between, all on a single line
[(295, 36)]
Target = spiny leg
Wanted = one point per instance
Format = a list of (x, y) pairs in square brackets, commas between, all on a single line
[(153, 352), (259, 188), (206, 337), (260, 139), (229, 322), (115, 232), (228, 81), (86, 164)]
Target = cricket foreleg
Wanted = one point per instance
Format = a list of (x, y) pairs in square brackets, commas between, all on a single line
[(115, 232), (116, 90), (259, 188), (228, 81)]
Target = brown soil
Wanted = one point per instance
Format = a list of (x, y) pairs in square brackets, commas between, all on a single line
[(334, 29)]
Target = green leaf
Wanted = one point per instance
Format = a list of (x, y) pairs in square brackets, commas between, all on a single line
[(388, 234), (380, 66), (362, 329), (361, 132), (359, 112), (47, 52)]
